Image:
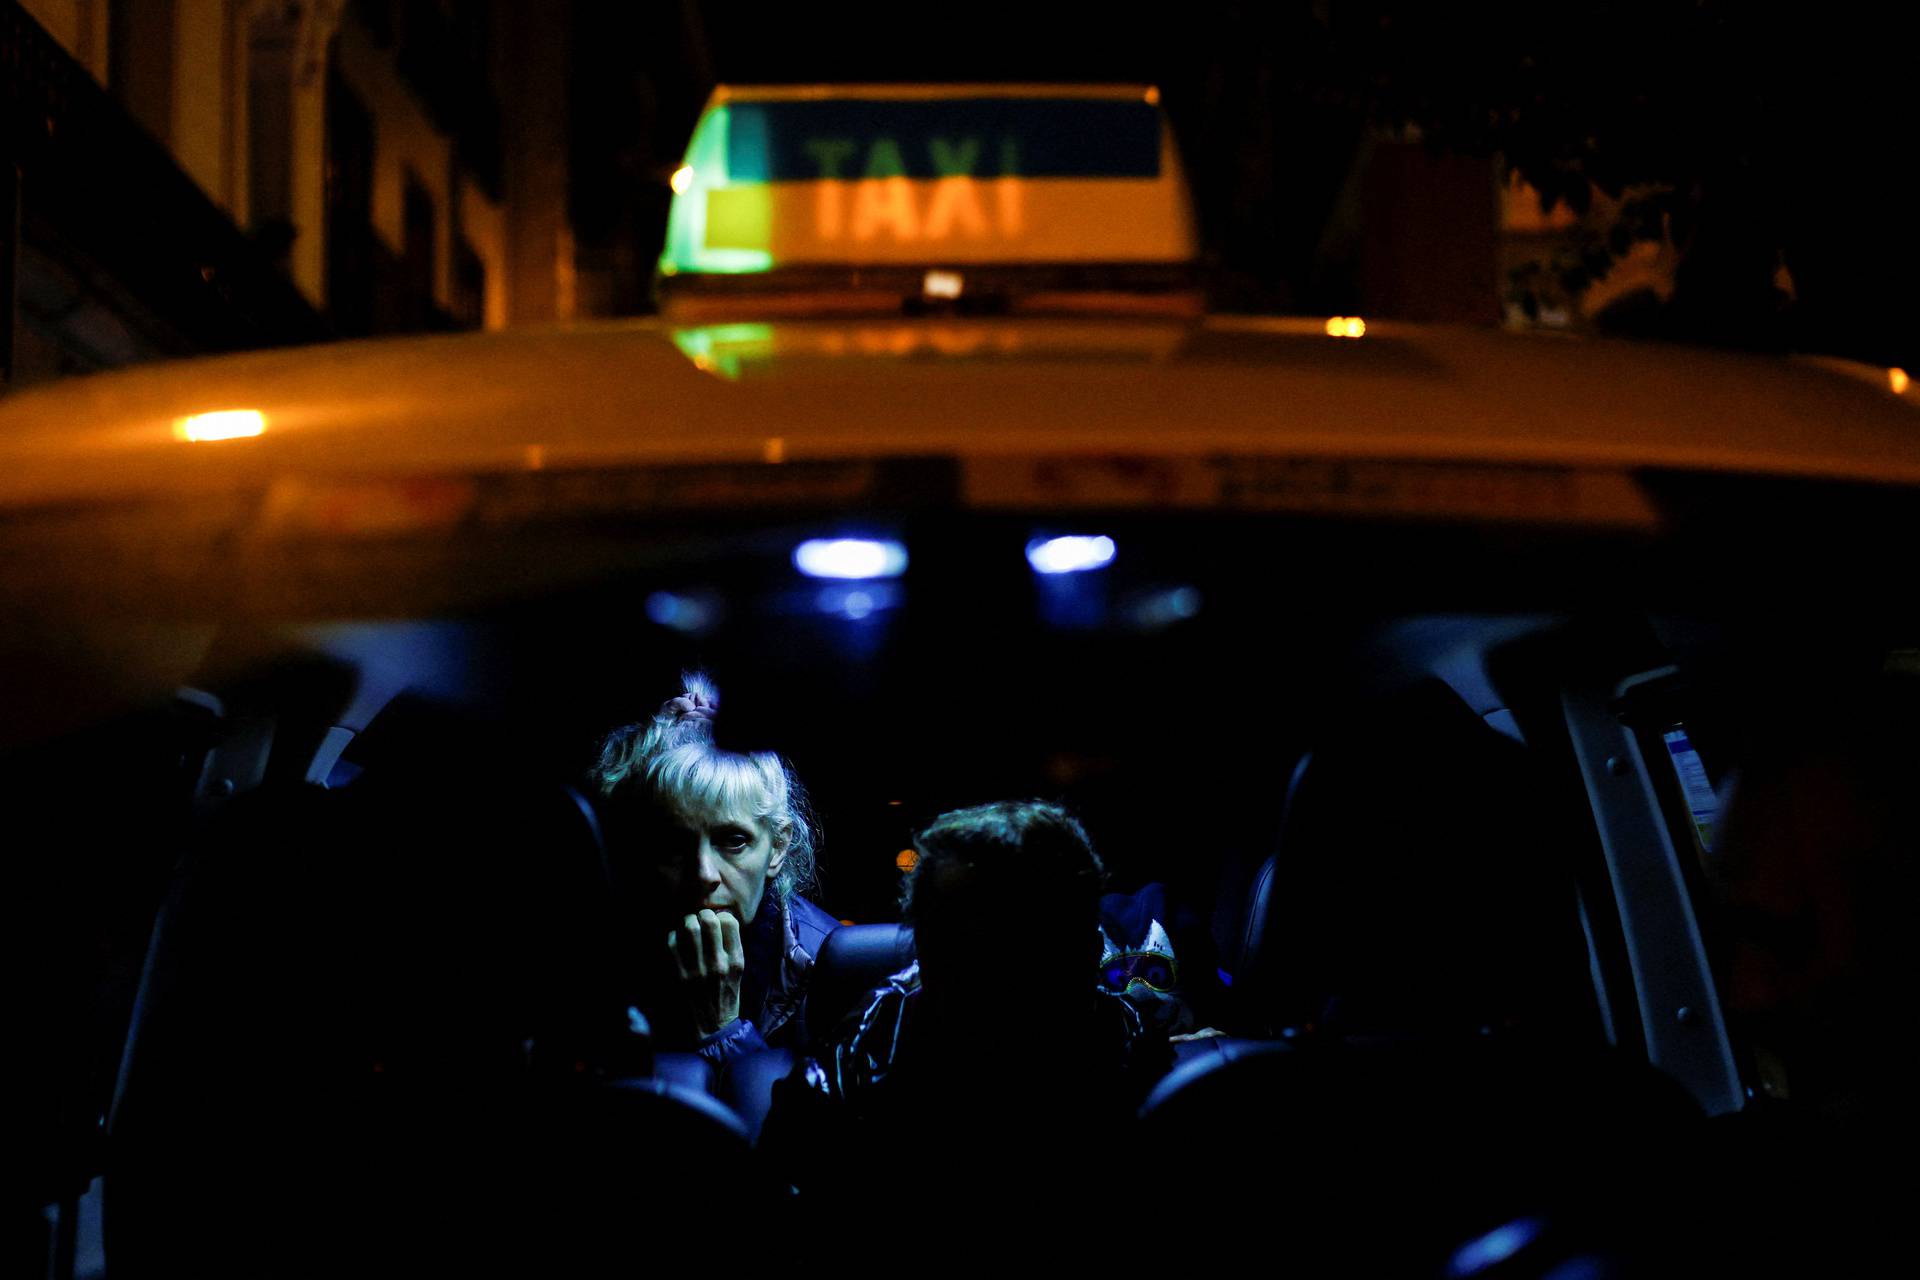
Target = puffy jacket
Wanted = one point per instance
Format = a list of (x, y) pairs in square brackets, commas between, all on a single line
[(955, 1102), (1112, 1040), (780, 946), (1108, 1056)]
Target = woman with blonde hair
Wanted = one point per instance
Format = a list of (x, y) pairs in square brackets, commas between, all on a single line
[(716, 847)]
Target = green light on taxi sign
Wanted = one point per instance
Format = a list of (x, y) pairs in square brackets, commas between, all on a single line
[(717, 225)]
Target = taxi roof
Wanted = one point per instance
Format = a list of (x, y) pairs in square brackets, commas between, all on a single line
[(645, 392), (868, 92)]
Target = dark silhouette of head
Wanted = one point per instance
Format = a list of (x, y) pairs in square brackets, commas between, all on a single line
[(1004, 899)]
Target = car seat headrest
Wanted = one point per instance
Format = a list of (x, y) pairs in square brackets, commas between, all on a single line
[(853, 961), (1416, 881)]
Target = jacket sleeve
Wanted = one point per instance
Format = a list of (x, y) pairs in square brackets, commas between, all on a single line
[(736, 1038)]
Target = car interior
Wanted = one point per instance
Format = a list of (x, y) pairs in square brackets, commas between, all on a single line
[(1543, 886)]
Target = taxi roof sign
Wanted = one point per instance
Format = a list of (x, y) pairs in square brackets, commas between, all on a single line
[(922, 176)]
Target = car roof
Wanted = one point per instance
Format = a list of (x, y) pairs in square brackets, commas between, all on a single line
[(645, 392), (865, 92)]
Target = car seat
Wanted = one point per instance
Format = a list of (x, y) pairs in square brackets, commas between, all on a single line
[(382, 1028), (1435, 1064), (855, 960)]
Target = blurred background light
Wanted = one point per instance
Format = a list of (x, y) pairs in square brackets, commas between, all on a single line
[(857, 602), (691, 612), (1073, 554), (1499, 1245), (1156, 609), (852, 558), (943, 284)]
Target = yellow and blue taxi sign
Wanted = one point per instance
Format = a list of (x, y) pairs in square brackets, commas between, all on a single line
[(919, 175)]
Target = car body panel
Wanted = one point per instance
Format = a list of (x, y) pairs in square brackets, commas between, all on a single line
[(644, 392)]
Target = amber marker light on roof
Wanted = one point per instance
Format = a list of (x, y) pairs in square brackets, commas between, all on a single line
[(226, 424), (1346, 327), (1899, 381), (681, 180)]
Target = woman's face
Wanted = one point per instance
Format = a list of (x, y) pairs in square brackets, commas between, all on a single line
[(713, 861)]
